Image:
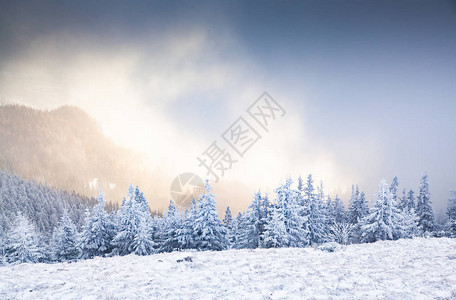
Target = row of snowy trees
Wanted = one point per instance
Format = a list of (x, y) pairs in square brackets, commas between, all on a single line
[(297, 217), (40, 204)]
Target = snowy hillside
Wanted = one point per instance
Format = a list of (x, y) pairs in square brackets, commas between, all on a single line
[(404, 269)]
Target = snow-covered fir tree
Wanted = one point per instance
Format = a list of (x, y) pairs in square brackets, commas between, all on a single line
[(23, 244), (134, 231), (339, 214), (185, 231), (383, 221), (143, 243), (357, 208), (300, 184), (97, 232), (228, 219), (275, 234), (411, 200), (228, 222), (236, 226), (210, 233), (285, 219), (426, 221), (403, 202), (330, 209), (253, 224), (451, 213), (172, 229), (316, 217), (64, 246), (394, 188), (410, 220)]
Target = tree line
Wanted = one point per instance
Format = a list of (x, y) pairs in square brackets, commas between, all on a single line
[(298, 216)]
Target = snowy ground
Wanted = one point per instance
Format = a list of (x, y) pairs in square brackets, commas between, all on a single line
[(404, 269)]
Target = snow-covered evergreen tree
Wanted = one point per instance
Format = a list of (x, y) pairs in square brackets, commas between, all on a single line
[(383, 222), (357, 208), (424, 211), (236, 228), (186, 231), (134, 228), (143, 243), (275, 234), (330, 209), (410, 220), (287, 211), (23, 244), (97, 232), (394, 188), (338, 211), (172, 229), (408, 227), (451, 213), (300, 184), (2, 249), (228, 222), (411, 200), (403, 202), (64, 246), (253, 224), (316, 218), (210, 234)]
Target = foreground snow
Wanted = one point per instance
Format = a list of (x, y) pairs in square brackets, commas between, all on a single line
[(404, 269)]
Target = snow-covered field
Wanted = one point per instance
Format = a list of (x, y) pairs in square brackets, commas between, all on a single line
[(404, 269)]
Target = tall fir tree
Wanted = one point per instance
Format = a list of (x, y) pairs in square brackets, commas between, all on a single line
[(394, 188), (316, 219), (143, 243), (64, 246), (330, 209), (97, 232), (23, 244), (451, 213), (300, 184), (339, 213), (383, 221), (426, 221), (186, 231), (236, 228), (228, 222), (254, 221), (403, 202), (275, 234), (357, 208), (172, 229), (210, 234), (134, 227), (285, 218), (411, 200)]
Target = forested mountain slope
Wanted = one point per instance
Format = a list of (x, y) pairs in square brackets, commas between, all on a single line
[(66, 148), (42, 205)]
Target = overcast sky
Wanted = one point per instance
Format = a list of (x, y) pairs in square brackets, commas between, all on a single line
[(369, 88)]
